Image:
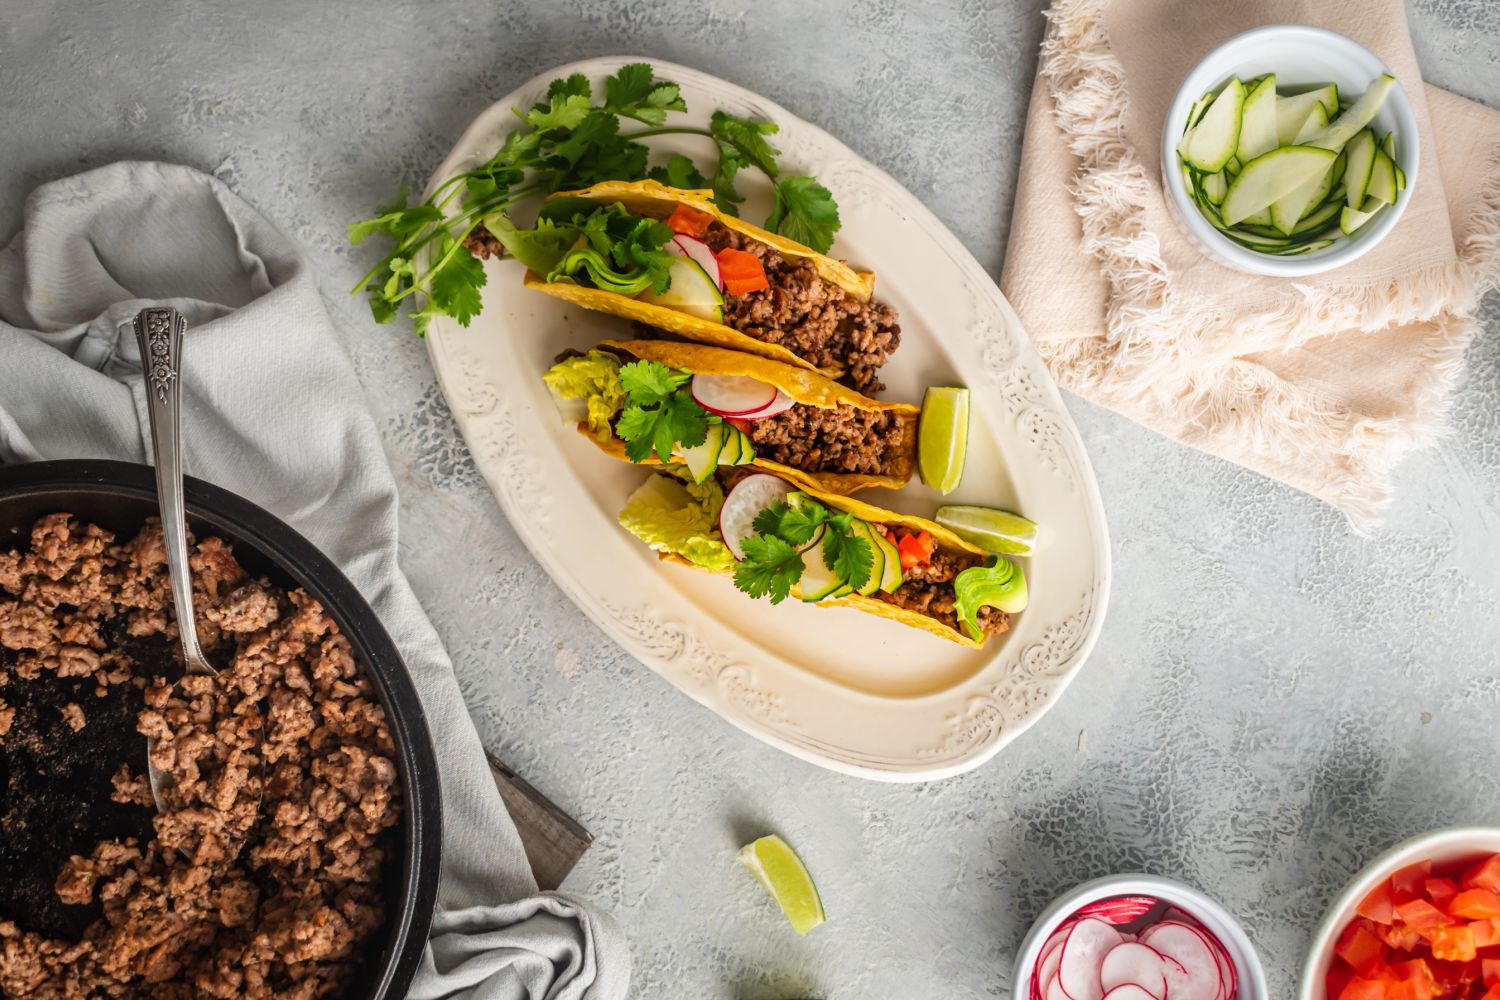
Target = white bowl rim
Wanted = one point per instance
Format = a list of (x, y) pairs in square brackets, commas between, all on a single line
[(1345, 249), (1382, 866), (1201, 906)]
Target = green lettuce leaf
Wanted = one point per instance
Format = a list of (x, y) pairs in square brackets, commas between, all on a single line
[(592, 380), (665, 515)]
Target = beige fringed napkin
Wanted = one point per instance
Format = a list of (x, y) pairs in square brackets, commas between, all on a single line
[(1322, 382)]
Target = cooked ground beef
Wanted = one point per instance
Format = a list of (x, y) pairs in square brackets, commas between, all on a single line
[(482, 243), (928, 590), (817, 321), (842, 439), (263, 877)]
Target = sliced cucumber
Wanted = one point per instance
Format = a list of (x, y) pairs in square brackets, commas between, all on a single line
[(1234, 166), (1317, 120), (1261, 218), (1214, 187), (1298, 251), (1287, 211), (1258, 121), (1382, 179), (1209, 144), (734, 444), (1359, 114), (1292, 111), (747, 449), (890, 576), (862, 529), (1319, 218), (1361, 162), (692, 291), (1272, 176), (1351, 219), (701, 460), (1388, 146), (1199, 106), (819, 582)]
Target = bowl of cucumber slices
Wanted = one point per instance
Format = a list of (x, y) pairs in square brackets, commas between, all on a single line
[(1289, 151)]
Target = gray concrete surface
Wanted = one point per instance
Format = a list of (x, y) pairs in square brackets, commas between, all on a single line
[(1273, 699)]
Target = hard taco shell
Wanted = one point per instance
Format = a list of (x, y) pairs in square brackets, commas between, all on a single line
[(650, 199), (804, 386)]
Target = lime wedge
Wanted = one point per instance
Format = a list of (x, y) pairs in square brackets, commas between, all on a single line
[(780, 870), (943, 437), (990, 528)]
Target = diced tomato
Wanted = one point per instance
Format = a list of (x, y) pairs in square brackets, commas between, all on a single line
[(1361, 949), (742, 272), (1486, 933), (1399, 936), (1363, 989), (1417, 972), (1411, 882), (1339, 975), (1378, 905), (1475, 904), (1441, 891), (913, 551), (1489, 971), (1403, 989), (743, 426), (1454, 944), (1422, 915), (1485, 875), (689, 221), (1452, 976), (1493, 993)]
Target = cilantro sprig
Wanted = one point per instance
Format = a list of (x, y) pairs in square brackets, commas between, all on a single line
[(773, 560), (571, 139), (660, 413)]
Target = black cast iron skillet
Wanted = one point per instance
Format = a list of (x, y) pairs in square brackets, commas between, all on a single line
[(120, 496)]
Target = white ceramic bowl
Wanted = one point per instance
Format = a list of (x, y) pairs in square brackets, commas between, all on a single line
[(1206, 911), (1300, 57), (1439, 846)]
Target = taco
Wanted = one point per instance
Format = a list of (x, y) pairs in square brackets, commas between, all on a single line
[(729, 283), (781, 541), (658, 401)]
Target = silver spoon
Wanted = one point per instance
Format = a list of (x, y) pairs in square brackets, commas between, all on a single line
[(159, 331)]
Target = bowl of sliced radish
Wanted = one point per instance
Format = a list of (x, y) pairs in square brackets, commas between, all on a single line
[(1137, 937), (1289, 151)]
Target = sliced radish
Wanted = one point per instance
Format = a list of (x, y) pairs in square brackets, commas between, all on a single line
[(749, 497), (1045, 968), (1196, 974), (780, 404), (1134, 963), (1121, 910), (1130, 991), (733, 395), (1087, 944), (701, 255), (1054, 991)]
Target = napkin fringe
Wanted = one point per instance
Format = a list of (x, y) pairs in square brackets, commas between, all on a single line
[(1171, 356)]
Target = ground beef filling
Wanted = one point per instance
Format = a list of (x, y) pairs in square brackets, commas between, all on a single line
[(839, 439), (263, 877), (814, 319), (928, 590)]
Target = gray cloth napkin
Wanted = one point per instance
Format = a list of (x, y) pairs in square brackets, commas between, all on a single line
[(273, 412)]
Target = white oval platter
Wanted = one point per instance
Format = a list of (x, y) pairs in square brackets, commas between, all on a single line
[(831, 685)]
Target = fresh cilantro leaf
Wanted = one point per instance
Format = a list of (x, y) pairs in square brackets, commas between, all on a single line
[(726, 196), (540, 249), (396, 223), (749, 138), (563, 111), (647, 383), (680, 172), (770, 567), (453, 287), (848, 555), (635, 93), (806, 212), (637, 428), (576, 85), (768, 521)]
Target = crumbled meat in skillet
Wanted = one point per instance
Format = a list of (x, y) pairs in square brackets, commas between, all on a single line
[(73, 716), (263, 878), (928, 590)]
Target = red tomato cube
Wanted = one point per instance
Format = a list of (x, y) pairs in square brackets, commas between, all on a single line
[(1485, 875), (1441, 891), (1362, 950), (1411, 882), (1422, 915), (1489, 971), (1378, 905), (1475, 904), (1363, 989)]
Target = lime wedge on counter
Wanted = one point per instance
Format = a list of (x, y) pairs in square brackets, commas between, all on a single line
[(990, 528), (943, 437), (782, 873)]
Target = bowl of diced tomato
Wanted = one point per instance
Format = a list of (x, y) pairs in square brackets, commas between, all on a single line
[(1421, 922)]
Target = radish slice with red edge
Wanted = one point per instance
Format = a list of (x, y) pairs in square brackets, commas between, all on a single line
[(1045, 968), (780, 404), (1121, 910), (1054, 991), (1078, 970), (1131, 991), (698, 251), (733, 395), (1196, 974), (749, 497), (1137, 964), (1228, 977)]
